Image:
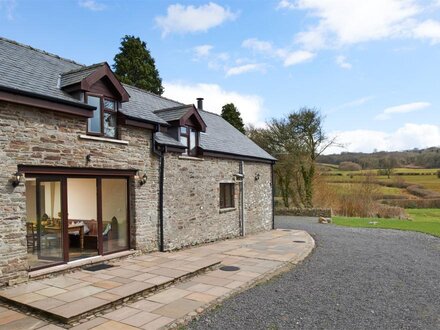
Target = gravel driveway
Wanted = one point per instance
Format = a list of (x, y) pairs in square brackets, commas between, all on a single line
[(355, 279)]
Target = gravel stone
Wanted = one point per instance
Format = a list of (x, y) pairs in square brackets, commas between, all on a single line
[(356, 278)]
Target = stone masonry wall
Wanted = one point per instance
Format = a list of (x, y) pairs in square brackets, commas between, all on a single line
[(191, 201), (192, 212), (30, 136), (258, 197)]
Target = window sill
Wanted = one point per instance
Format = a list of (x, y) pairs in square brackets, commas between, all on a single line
[(190, 158), (101, 139), (228, 209)]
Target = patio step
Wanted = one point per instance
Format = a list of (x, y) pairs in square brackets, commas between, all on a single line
[(57, 298)]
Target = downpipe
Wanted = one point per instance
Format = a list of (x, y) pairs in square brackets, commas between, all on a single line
[(160, 154)]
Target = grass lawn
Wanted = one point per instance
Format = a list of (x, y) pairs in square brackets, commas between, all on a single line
[(423, 220)]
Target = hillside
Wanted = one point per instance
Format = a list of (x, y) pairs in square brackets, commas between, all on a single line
[(415, 158)]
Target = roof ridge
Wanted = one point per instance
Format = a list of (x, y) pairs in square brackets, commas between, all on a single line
[(151, 93), (86, 67), (212, 113), (174, 108), (40, 51)]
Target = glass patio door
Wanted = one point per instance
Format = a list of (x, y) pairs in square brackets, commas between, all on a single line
[(71, 217), (45, 225), (82, 218)]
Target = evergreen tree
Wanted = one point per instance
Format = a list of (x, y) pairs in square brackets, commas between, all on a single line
[(135, 66), (231, 114)]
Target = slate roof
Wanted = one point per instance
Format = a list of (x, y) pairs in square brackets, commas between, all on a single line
[(175, 113), (25, 69), (75, 76), (222, 137), (142, 104), (167, 140)]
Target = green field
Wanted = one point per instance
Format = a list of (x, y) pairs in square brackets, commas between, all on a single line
[(429, 180), (422, 220)]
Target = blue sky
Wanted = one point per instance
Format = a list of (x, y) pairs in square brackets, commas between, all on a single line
[(371, 67)]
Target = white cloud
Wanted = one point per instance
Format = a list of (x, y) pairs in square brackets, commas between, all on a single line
[(342, 62), (346, 22), (240, 69), (183, 19), (429, 29), (351, 104), (92, 5), (285, 4), (202, 50), (9, 7), (258, 45), (250, 106), (403, 108), (406, 137), (288, 57), (297, 57)]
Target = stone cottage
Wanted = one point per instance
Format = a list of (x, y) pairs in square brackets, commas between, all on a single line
[(92, 168)]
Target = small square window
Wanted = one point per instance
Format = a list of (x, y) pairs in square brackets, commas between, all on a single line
[(227, 195)]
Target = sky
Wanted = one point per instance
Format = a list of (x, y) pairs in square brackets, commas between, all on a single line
[(370, 67)]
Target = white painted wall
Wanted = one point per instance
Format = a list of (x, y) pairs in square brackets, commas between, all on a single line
[(81, 199)]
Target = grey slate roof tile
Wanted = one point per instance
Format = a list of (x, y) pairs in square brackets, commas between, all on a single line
[(142, 104), (75, 76), (167, 140), (175, 113), (26, 69), (222, 137)]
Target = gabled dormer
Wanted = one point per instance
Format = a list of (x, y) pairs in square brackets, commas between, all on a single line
[(98, 86), (185, 126)]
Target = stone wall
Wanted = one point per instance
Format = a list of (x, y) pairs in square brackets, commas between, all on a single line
[(313, 212), (257, 197), (192, 212), (30, 136)]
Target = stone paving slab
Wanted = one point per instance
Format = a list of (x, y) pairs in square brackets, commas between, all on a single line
[(69, 297), (258, 257)]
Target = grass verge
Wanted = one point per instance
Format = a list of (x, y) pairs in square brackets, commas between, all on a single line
[(423, 220)]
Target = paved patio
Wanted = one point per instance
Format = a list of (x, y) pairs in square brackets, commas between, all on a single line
[(129, 295)]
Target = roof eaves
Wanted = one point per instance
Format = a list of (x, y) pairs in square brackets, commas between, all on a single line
[(45, 97)]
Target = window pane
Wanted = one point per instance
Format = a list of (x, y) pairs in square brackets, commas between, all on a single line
[(114, 215), (184, 130), (192, 140), (110, 124), (95, 121), (82, 218), (227, 192), (44, 225), (109, 104), (184, 141)]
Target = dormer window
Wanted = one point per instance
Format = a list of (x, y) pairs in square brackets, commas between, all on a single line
[(103, 122), (189, 137)]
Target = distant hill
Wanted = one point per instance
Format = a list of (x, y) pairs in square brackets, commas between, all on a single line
[(415, 158)]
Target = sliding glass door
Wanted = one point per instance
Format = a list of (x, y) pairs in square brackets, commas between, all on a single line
[(44, 225), (83, 224), (114, 215), (75, 217)]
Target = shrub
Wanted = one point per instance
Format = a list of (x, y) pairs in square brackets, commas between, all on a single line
[(387, 211), (349, 166), (419, 191), (413, 203)]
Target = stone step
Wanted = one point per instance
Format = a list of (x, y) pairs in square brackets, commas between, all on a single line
[(96, 294)]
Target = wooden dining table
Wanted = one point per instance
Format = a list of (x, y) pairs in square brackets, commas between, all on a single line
[(70, 229)]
